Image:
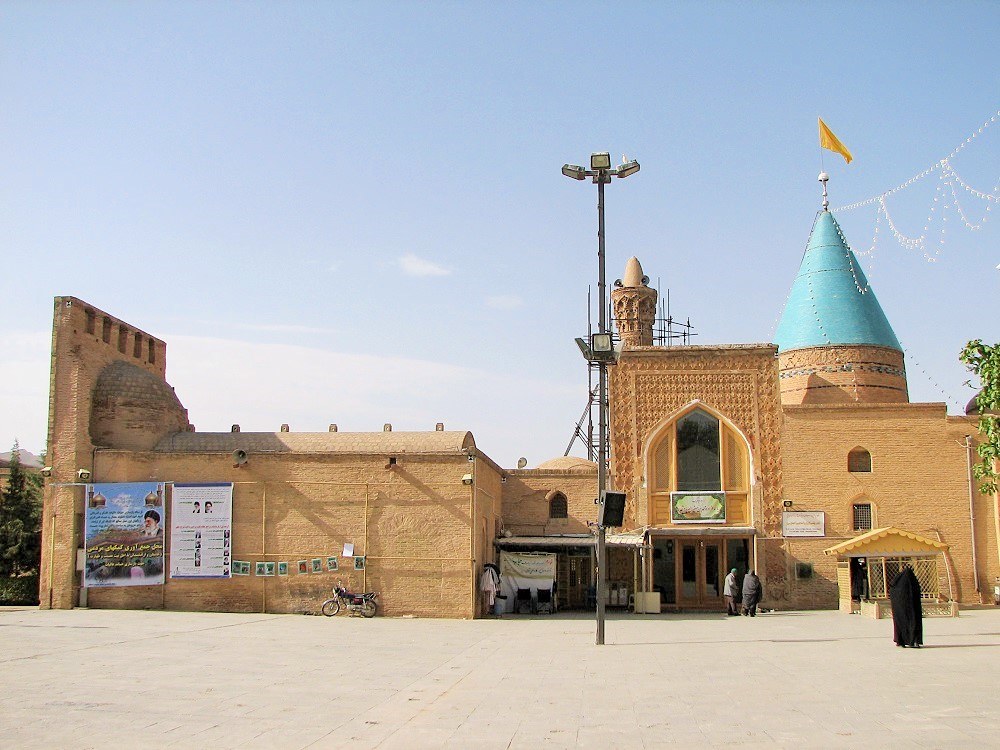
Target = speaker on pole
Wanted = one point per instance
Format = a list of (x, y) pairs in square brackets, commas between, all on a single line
[(612, 511)]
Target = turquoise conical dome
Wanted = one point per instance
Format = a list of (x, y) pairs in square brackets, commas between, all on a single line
[(831, 303)]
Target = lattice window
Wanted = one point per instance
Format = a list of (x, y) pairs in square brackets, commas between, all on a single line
[(736, 464), (882, 571), (859, 461), (662, 464), (862, 516)]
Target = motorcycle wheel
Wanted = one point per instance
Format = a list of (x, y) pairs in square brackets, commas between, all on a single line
[(368, 608), (331, 607)]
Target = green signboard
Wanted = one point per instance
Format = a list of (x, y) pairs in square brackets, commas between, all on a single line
[(698, 507)]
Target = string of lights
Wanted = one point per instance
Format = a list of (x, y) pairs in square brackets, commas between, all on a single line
[(946, 196), (921, 175)]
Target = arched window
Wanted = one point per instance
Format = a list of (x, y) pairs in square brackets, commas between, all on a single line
[(859, 461), (557, 505), (698, 452)]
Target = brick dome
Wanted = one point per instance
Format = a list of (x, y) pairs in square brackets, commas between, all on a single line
[(132, 408)]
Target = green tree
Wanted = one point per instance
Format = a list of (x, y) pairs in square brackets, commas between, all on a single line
[(984, 361), (20, 520)]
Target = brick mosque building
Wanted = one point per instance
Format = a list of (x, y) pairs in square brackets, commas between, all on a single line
[(802, 459)]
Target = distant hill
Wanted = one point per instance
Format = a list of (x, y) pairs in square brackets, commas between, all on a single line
[(28, 460)]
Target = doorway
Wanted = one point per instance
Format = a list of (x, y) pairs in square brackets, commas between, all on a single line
[(700, 574)]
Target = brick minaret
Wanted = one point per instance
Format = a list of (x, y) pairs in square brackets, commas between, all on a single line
[(634, 305)]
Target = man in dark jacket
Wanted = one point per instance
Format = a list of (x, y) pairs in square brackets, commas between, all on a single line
[(752, 593)]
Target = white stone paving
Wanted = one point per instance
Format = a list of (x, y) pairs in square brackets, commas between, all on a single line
[(104, 678)]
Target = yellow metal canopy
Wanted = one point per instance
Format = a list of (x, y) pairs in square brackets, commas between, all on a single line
[(887, 542)]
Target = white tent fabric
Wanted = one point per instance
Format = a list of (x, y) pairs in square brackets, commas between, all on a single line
[(525, 570)]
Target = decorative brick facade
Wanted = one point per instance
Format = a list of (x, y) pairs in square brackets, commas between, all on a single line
[(843, 374)]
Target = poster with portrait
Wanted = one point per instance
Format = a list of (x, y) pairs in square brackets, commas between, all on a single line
[(201, 524), (123, 531)]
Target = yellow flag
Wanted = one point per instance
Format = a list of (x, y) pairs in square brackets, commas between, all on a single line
[(829, 141)]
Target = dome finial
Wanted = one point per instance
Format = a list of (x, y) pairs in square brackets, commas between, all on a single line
[(825, 178)]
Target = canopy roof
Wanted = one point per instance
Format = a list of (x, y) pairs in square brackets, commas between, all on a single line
[(887, 542), (831, 303)]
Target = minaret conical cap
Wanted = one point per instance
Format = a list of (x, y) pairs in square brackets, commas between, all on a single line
[(633, 273)]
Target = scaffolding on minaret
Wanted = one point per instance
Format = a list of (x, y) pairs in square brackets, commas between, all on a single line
[(667, 331)]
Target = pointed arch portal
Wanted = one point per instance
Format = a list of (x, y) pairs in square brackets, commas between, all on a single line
[(698, 467)]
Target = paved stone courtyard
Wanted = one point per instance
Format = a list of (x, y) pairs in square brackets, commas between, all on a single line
[(100, 679)]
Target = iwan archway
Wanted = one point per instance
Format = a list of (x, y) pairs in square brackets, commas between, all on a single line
[(699, 474)]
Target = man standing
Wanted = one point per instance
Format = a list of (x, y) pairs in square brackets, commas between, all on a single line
[(752, 592), (730, 591), (489, 584)]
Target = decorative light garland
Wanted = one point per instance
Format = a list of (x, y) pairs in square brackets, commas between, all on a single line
[(945, 194)]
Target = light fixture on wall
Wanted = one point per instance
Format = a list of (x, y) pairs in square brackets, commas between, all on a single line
[(467, 479), (787, 503), (47, 471), (83, 475)]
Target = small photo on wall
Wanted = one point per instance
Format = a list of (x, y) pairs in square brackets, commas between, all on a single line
[(359, 562), (269, 568), (239, 569), (303, 566), (331, 563), (282, 569), (261, 569), (317, 565)]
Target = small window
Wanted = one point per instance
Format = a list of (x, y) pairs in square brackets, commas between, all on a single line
[(137, 346), (91, 321), (122, 338), (862, 517), (558, 506), (106, 331), (859, 461), (803, 570), (152, 352)]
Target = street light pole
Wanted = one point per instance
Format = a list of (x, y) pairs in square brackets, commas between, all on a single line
[(602, 421), (601, 172)]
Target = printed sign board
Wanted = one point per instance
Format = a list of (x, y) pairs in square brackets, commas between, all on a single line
[(698, 507), (124, 534), (201, 531), (803, 523)]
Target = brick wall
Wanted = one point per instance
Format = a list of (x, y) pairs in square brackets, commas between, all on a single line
[(918, 483), (85, 340), (413, 523), (526, 509)]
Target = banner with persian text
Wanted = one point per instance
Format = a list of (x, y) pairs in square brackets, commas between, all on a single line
[(201, 524), (123, 531)]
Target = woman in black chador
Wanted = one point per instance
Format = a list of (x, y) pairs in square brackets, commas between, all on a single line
[(907, 625)]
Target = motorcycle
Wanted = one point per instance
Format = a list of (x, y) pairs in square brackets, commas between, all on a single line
[(364, 604)]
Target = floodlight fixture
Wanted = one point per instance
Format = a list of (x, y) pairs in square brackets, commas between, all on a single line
[(600, 343), (628, 168), (572, 170), (600, 160)]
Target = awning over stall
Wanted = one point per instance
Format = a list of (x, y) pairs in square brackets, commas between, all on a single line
[(713, 531), (887, 542), (629, 539), (543, 542)]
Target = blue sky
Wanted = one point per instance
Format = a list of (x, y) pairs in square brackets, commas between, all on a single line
[(353, 213)]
